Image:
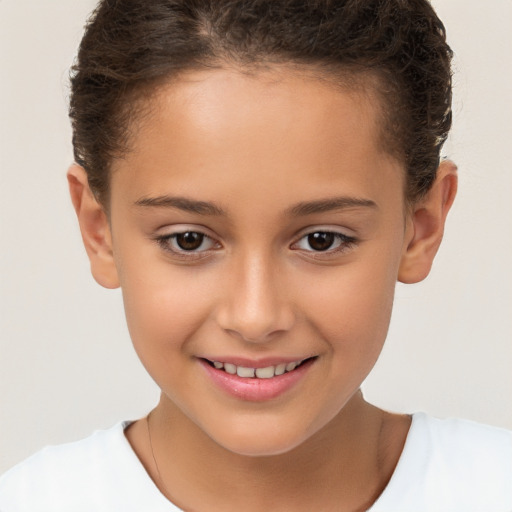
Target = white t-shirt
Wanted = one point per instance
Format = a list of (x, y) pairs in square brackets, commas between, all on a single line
[(446, 466)]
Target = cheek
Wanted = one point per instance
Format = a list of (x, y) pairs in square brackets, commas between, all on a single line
[(352, 308), (164, 307)]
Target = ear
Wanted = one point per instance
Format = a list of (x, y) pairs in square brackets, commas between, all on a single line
[(95, 228), (427, 225)]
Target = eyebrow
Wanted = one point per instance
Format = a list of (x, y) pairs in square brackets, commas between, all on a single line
[(330, 204), (182, 203), (299, 210)]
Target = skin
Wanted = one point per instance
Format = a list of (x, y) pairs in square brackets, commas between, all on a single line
[(256, 146)]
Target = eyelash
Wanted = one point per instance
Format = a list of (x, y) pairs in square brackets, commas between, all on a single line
[(345, 243), (165, 242)]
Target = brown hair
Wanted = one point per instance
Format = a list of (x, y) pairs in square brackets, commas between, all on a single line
[(131, 45)]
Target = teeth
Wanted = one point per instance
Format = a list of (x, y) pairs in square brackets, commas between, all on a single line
[(241, 371), (261, 373), (265, 373), (280, 369), (230, 368), (291, 366)]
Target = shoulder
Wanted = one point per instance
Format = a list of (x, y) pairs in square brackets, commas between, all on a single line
[(95, 473), (451, 465), (474, 449)]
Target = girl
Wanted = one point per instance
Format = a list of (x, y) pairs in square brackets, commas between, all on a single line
[(256, 176)]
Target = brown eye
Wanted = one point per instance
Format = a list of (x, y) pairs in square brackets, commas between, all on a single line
[(328, 243), (321, 241), (188, 244), (189, 241)]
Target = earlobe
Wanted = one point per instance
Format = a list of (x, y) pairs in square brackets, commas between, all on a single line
[(427, 223), (94, 227)]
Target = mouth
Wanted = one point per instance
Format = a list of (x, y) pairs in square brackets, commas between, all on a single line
[(257, 381), (267, 372)]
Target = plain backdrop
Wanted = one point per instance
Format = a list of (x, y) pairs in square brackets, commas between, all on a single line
[(67, 366)]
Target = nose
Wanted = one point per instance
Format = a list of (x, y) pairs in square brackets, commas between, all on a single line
[(255, 305)]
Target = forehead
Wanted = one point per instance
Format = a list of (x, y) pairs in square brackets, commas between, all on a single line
[(223, 100), (278, 128)]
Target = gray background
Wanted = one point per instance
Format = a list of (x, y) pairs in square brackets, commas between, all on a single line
[(66, 362)]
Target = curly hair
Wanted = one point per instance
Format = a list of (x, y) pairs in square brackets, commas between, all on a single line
[(130, 46)]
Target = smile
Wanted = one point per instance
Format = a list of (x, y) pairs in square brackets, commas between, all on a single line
[(257, 373), (257, 383)]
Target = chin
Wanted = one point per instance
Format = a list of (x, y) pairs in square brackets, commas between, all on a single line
[(260, 447), (257, 440)]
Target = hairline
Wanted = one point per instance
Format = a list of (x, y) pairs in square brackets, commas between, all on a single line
[(138, 104)]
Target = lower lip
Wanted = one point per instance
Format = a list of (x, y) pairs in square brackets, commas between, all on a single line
[(254, 389)]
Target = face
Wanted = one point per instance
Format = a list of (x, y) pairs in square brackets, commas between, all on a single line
[(258, 226)]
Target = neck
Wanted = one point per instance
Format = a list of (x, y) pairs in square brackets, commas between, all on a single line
[(344, 466)]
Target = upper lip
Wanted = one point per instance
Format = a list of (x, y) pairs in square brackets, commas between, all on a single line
[(256, 363)]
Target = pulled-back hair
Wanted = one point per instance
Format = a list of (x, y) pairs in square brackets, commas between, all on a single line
[(130, 46)]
